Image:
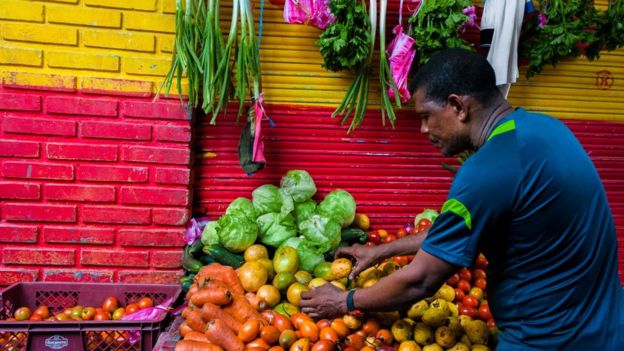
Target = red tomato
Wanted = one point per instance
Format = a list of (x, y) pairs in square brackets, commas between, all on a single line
[(373, 236), (459, 294), (413, 231), (43, 311), (465, 274), (491, 323), (110, 304), (484, 312), (400, 260), (323, 345), (369, 243), (424, 222), (464, 285), (401, 233), (452, 281), (479, 273), (481, 262), (389, 238), (131, 308), (480, 283), (470, 301), (145, 302), (476, 292), (468, 311)]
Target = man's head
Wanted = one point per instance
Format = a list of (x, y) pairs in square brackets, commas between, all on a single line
[(450, 91)]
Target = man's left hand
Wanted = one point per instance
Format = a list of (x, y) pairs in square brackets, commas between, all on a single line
[(327, 301)]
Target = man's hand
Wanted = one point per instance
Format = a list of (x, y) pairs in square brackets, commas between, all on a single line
[(365, 257), (326, 301)]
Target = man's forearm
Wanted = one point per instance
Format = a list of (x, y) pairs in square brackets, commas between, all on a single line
[(408, 245)]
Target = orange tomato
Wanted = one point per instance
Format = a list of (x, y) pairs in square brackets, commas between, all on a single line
[(131, 308), (322, 323), (43, 311), (340, 327), (268, 315), (145, 302), (327, 333), (276, 348), (371, 327), (367, 348), (401, 233), (254, 349), (309, 330), (249, 330), (270, 334), (355, 340), (259, 343), (110, 304), (298, 318), (301, 345), (323, 345), (102, 316), (281, 322), (35, 318), (385, 336), (287, 338), (88, 313)]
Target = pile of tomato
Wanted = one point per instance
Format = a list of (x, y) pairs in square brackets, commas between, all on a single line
[(110, 309), (382, 236)]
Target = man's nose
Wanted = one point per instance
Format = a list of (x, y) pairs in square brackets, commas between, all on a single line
[(424, 128)]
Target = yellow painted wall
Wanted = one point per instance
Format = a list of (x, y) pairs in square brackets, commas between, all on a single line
[(132, 40)]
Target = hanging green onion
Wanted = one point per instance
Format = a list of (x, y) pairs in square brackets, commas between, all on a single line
[(385, 75), (356, 99)]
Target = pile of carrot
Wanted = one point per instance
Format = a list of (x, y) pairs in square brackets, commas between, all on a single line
[(217, 308)]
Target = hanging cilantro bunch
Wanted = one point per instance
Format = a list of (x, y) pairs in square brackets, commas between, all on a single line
[(345, 44), (610, 31), (560, 31), (436, 26)]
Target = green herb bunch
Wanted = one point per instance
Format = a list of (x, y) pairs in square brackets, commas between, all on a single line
[(345, 44), (610, 31), (571, 25), (436, 25)]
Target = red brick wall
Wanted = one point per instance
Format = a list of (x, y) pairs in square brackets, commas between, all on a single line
[(93, 187)]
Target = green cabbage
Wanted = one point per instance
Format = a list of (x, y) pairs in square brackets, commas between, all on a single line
[(299, 185), (305, 210), (288, 204), (210, 234), (321, 232), (275, 228), (339, 205), (242, 206), (308, 256), (266, 199), (237, 232)]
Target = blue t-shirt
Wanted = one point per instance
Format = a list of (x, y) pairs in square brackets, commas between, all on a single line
[(531, 200)]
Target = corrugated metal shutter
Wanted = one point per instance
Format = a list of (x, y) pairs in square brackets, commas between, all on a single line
[(393, 174)]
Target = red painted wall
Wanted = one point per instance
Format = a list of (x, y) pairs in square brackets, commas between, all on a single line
[(93, 187)]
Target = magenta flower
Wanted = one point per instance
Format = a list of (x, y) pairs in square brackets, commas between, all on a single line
[(542, 20), (471, 12)]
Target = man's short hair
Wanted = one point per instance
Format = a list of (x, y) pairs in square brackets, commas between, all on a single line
[(456, 71)]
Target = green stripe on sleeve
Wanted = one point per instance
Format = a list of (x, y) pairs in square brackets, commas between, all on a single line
[(455, 206), (503, 128)]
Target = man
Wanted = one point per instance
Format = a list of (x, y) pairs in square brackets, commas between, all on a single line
[(530, 199)]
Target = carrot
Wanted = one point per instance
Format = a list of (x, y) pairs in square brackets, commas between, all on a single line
[(255, 302), (225, 274), (192, 345), (218, 333), (216, 295), (195, 321), (241, 309), (184, 329), (211, 311), (196, 336), (192, 290)]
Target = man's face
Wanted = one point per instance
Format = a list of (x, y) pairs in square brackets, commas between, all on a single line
[(442, 124)]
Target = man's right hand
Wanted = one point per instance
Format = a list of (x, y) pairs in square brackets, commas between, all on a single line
[(365, 256)]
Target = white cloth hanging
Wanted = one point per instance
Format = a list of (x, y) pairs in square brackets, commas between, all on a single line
[(505, 18)]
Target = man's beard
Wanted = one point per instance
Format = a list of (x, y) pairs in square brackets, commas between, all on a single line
[(458, 144)]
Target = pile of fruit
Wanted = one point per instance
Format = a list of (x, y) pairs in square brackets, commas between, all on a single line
[(255, 309), (111, 309)]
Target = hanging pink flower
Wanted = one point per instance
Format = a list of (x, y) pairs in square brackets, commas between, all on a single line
[(542, 20), (471, 12)]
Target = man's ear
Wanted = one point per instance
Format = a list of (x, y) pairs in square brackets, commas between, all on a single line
[(459, 104)]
